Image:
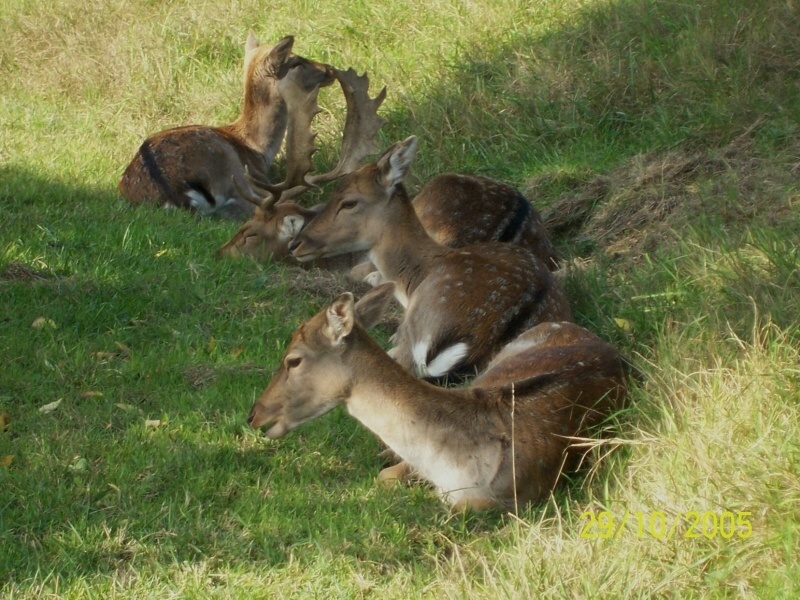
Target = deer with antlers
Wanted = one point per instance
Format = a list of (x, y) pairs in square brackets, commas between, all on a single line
[(277, 218), (503, 442), (461, 305), (456, 211), (201, 168)]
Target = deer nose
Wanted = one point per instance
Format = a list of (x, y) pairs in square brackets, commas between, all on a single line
[(294, 244), (251, 416)]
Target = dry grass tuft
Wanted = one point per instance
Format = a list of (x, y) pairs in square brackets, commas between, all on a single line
[(645, 201)]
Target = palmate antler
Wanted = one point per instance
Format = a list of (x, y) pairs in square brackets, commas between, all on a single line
[(358, 138)]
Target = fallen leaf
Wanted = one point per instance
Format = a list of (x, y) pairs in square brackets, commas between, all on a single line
[(152, 422), (6, 460), (103, 355), (79, 465), (623, 324), (161, 253), (42, 322), (122, 406), (5, 419), (123, 348), (212, 343), (92, 394), (194, 270), (237, 351), (48, 408)]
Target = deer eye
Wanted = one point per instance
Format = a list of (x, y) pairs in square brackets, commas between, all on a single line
[(348, 204), (293, 362)]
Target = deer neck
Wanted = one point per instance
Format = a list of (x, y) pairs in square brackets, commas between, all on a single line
[(397, 406), (262, 123), (404, 252)]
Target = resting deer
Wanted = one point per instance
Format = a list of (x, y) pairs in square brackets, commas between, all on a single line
[(455, 210), (277, 218), (503, 442), (197, 166), (461, 305)]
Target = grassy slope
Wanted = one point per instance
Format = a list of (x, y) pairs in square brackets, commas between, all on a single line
[(567, 95)]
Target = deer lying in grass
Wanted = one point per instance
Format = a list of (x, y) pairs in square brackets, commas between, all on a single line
[(197, 166), (455, 210), (461, 305), (277, 218), (503, 442)]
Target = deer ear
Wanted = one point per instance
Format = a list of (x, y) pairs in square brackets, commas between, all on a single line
[(373, 304), (340, 318), (395, 162), (280, 53), (252, 42)]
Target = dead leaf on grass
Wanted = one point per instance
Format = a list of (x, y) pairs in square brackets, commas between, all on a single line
[(5, 462), (79, 464), (623, 324), (152, 422), (5, 420), (91, 394), (42, 322), (48, 408)]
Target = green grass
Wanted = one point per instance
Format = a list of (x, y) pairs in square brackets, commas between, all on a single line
[(670, 129)]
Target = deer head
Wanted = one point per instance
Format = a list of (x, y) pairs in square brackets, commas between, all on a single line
[(355, 217), (278, 218), (314, 376)]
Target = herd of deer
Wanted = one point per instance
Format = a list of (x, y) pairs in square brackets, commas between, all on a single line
[(468, 259)]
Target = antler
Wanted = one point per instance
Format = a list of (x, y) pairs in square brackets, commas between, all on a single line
[(358, 138), (361, 124)]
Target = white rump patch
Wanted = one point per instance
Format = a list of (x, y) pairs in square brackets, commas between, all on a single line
[(420, 354), (444, 361), (199, 203)]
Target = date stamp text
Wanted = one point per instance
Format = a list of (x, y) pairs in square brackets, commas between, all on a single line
[(688, 525)]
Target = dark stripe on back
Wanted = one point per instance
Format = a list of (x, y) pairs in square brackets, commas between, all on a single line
[(151, 164), (520, 322), (518, 220)]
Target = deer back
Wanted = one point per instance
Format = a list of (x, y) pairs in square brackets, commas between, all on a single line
[(566, 383), (473, 301), (460, 210), (193, 166)]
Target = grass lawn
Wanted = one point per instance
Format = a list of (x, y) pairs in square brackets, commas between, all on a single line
[(661, 140)]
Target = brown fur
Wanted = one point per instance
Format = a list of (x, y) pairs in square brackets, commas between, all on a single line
[(480, 296), (554, 382), (193, 166), (455, 210)]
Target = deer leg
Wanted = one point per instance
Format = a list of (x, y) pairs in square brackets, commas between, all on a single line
[(401, 472), (360, 271), (473, 505)]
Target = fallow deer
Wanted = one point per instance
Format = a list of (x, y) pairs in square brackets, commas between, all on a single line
[(503, 442), (461, 305), (455, 210), (195, 166), (277, 219)]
